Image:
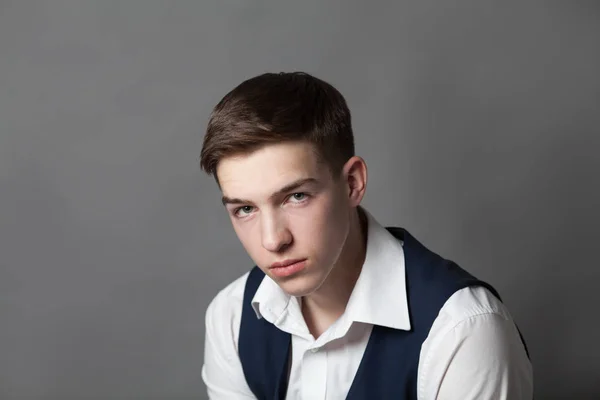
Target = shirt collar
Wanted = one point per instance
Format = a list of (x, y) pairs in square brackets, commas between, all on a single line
[(378, 298)]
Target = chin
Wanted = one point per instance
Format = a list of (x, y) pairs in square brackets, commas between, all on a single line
[(298, 286)]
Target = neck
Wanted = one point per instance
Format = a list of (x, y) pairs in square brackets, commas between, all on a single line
[(323, 307)]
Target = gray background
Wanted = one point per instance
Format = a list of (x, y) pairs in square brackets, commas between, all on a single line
[(479, 122)]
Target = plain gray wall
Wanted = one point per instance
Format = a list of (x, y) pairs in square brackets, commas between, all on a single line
[(479, 122)]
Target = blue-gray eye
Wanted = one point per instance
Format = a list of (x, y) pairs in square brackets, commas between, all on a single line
[(299, 196), (244, 210)]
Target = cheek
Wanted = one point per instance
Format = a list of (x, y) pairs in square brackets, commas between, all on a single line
[(327, 228)]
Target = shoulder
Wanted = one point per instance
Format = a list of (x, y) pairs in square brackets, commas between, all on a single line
[(474, 337), (222, 370), (233, 291), (470, 302), (468, 310), (224, 312)]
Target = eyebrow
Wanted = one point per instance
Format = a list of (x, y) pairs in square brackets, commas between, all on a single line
[(287, 188)]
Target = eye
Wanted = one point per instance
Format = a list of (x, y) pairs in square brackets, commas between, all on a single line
[(243, 211), (298, 197)]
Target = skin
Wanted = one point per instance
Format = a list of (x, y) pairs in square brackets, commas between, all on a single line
[(284, 204)]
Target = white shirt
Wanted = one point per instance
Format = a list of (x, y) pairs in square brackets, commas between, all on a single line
[(473, 350)]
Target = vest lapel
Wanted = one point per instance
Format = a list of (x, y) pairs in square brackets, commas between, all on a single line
[(387, 369), (263, 348)]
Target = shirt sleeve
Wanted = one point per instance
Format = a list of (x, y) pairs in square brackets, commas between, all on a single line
[(478, 357), (222, 370)]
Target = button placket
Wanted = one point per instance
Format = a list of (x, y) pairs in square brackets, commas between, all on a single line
[(314, 374)]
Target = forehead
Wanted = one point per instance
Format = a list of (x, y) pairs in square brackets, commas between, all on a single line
[(267, 169)]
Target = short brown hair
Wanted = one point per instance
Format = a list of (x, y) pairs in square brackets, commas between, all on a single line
[(278, 107)]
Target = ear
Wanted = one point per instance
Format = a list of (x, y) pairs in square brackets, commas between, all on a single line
[(355, 179)]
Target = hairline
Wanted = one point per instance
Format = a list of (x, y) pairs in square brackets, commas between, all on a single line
[(334, 170)]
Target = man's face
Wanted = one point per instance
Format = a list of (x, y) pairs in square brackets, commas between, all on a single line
[(285, 206)]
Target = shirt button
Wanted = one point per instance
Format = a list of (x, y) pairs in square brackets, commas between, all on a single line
[(314, 350)]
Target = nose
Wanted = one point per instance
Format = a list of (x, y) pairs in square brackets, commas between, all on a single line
[(275, 233)]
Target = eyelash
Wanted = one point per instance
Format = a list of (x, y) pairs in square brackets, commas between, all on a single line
[(304, 199)]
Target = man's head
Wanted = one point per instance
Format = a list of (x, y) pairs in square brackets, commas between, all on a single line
[(274, 108), (282, 150)]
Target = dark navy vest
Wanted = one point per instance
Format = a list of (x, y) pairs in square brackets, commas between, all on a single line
[(388, 369)]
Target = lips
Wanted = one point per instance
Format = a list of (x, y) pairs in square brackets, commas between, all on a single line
[(287, 268), (285, 263)]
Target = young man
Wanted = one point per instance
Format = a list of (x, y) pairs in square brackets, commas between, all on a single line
[(337, 306)]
